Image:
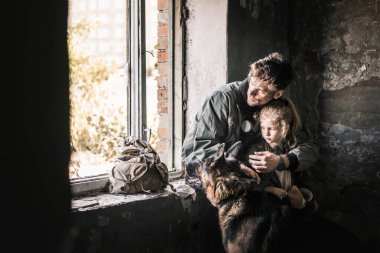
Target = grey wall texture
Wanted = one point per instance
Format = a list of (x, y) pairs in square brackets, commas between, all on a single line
[(335, 49)]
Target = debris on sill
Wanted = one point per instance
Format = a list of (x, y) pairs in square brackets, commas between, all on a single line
[(83, 203), (98, 200), (186, 194)]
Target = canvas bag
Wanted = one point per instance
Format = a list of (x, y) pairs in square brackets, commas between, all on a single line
[(137, 169)]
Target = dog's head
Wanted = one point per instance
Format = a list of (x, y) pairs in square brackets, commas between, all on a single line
[(221, 176)]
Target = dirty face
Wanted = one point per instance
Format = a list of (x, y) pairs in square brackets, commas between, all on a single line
[(261, 92)]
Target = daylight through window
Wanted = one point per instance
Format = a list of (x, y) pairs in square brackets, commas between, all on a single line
[(97, 41)]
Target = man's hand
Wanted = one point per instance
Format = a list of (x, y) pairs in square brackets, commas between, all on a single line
[(250, 172), (264, 161)]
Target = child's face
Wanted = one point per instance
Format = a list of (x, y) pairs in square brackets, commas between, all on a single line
[(271, 131)]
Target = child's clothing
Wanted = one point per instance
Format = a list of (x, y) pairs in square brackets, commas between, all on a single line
[(282, 179)]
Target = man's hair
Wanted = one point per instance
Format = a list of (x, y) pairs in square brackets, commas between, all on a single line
[(272, 69)]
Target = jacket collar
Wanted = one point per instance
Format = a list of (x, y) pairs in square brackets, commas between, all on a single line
[(246, 110)]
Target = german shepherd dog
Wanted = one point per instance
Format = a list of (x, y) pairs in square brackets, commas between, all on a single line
[(252, 220)]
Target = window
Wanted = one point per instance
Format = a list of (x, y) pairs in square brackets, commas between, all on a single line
[(98, 76), (122, 83)]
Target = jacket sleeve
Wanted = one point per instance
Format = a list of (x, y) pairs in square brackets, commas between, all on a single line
[(306, 153), (212, 126)]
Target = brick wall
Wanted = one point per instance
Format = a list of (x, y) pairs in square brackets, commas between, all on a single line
[(163, 145), (162, 56)]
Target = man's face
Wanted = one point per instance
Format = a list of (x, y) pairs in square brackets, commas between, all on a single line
[(260, 92)]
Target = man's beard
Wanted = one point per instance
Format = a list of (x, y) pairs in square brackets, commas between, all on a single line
[(242, 99)]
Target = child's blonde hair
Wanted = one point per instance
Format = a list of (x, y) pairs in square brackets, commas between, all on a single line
[(284, 112)]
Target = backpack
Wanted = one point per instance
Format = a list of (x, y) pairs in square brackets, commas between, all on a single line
[(137, 169)]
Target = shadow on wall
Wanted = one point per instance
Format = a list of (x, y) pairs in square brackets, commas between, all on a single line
[(255, 29)]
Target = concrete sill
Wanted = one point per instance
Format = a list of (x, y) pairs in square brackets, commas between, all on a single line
[(87, 185), (99, 200)]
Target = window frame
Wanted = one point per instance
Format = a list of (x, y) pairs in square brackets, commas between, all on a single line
[(136, 87), (136, 56)]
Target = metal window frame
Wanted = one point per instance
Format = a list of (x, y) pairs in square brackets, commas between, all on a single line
[(137, 85), (178, 78)]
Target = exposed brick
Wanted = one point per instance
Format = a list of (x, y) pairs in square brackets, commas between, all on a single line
[(163, 132), (163, 69), (162, 4), (162, 110), (162, 103), (162, 94), (162, 82), (162, 56), (162, 43), (163, 17), (163, 30)]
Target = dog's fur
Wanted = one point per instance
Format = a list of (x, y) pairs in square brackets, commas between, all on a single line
[(252, 220)]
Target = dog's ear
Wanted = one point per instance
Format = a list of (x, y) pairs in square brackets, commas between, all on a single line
[(218, 155), (232, 155), (207, 161), (220, 152), (234, 150)]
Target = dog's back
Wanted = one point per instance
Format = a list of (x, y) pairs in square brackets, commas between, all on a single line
[(247, 225), (252, 220)]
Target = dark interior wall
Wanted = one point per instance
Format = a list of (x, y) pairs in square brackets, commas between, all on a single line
[(37, 187), (334, 47), (162, 225), (255, 29)]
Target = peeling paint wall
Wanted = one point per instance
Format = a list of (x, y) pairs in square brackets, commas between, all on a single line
[(206, 56)]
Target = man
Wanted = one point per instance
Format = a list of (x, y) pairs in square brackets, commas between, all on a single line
[(227, 116)]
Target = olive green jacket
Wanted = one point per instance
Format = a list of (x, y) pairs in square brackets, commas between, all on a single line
[(219, 121)]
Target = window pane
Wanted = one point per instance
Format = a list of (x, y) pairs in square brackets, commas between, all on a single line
[(98, 78)]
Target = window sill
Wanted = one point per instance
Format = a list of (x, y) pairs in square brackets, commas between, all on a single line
[(99, 183), (99, 200)]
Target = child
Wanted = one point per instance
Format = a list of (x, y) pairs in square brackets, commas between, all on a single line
[(280, 123)]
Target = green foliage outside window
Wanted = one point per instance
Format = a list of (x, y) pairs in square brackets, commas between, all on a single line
[(96, 120)]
